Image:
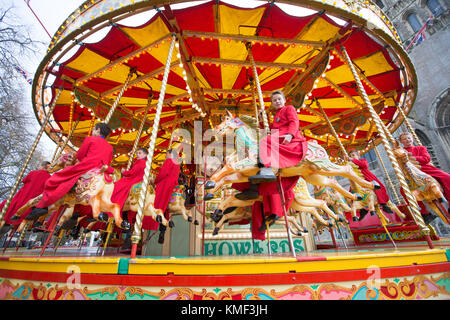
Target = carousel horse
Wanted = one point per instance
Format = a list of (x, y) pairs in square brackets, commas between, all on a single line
[(314, 168), (333, 199), (302, 202), (423, 186), (176, 205), (237, 214), (94, 189), (369, 200)]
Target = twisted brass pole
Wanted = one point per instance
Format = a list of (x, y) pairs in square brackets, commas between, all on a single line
[(119, 96), (136, 237), (139, 134), (55, 159), (385, 134), (30, 154), (391, 184), (258, 88)]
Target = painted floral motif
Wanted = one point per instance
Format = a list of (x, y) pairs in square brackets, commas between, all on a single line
[(436, 286)]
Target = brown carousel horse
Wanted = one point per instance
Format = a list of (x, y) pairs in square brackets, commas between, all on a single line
[(94, 189), (423, 186), (244, 212), (314, 168), (229, 209), (177, 206)]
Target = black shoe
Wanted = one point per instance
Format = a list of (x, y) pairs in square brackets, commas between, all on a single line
[(355, 219), (264, 175), (36, 213), (103, 217), (376, 185), (125, 225), (386, 208), (362, 213), (161, 237), (210, 185), (358, 197), (217, 215), (250, 194), (69, 224), (208, 196)]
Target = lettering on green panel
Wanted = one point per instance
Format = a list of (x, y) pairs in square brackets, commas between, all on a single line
[(242, 247)]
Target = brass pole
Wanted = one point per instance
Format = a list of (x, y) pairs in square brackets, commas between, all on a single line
[(385, 134), (30, 154), (258, 88), (387, 175), (139, 134), (65, 143), (136, 237), (116, 102)]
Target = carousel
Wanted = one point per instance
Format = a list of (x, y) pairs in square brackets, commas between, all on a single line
[(170, 74)]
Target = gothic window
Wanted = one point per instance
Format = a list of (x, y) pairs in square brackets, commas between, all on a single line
[(435, 7), (427, 143), (414, 22), (442, 118)]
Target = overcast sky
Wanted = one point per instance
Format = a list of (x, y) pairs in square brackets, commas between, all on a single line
[(52, 13)]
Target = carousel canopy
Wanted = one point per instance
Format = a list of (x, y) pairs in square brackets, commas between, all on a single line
[(211, 69)]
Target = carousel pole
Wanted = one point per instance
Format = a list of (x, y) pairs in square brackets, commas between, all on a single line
[(55, 158), (119, 96), (30, 154), (258, 88), (344, 151), (410, 128), (391, 184), (139, 134), (136, 237), (204, 205), (267, 130), (385, 134)]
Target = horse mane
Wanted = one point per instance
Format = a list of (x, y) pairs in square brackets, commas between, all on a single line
[(249, 121)]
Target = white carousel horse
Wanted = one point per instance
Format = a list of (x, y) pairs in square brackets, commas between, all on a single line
[(314, 168)]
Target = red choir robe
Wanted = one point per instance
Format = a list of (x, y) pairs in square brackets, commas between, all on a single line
[(275, 154), (33, 185), (129, 178), (93, 153), (165, 182), (381, 193), (420, 153)]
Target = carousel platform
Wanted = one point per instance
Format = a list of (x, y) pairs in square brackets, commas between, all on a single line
[(375, 272)]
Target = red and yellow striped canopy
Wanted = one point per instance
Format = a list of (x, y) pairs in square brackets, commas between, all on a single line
[(211, 69)]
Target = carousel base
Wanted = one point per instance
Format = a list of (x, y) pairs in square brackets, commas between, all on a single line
[(376, 272)]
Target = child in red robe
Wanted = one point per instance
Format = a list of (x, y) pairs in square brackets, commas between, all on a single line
[(420, 153), (165, 182), (363, 165), (33, 185), (93, 153), (129, 178), (285, 146)]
